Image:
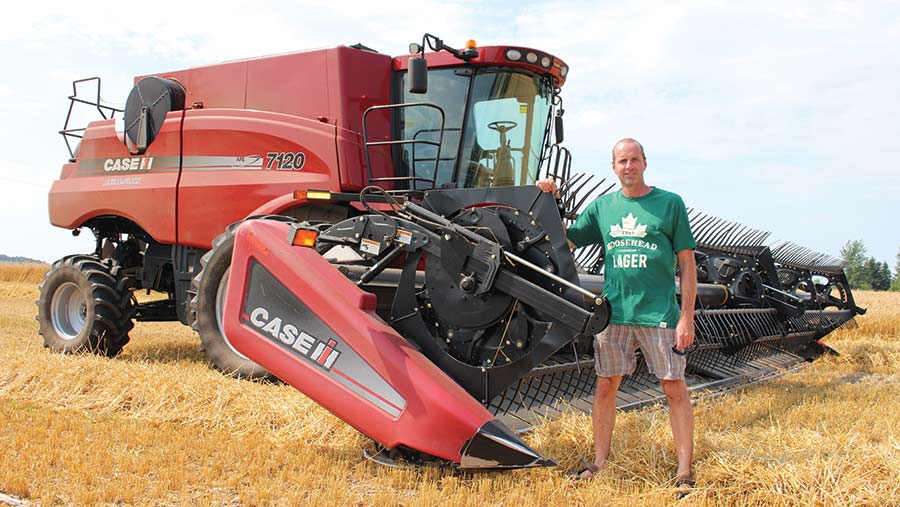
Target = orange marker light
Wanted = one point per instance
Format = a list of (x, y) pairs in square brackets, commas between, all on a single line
[(305, 237), (470, 44), (307, 195)]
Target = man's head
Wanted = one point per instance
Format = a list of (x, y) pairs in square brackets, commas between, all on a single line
[(629, 163)]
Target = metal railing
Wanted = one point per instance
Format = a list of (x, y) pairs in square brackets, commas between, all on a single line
[(413, 180)]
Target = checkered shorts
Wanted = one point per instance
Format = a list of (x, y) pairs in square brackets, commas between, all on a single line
[(615, 347)]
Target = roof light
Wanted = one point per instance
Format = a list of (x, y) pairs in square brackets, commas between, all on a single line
[(470, 44), (531, 57), (513, 54), (545, 62), (563, 71)]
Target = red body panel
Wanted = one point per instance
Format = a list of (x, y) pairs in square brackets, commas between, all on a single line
[(212, 195), (438, 416), (93, 188)]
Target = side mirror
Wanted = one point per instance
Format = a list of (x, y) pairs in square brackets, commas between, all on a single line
[(558, 126), (418, 75)]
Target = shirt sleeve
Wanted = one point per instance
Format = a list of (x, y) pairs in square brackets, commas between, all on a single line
[(682, 237), (586, 229)]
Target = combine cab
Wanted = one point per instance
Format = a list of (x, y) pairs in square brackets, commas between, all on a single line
[(367, 229)]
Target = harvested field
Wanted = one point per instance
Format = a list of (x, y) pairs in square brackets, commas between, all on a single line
[(158, 426)]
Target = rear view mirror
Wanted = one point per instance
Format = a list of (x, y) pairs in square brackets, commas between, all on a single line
[(558, 126), (418, 75)]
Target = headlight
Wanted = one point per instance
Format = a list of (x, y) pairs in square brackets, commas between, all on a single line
[(513, 54), (531, 57), (545, 62)]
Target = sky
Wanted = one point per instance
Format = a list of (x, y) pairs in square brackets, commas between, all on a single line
[(780, 115)]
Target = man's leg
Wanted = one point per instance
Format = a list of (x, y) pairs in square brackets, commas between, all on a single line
[(681, 416), (604, 417), (614, 356)]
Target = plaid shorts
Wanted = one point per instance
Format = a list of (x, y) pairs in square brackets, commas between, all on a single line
[(615, 347)]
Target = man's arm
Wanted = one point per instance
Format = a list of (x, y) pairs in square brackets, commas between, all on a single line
[(684, 332)]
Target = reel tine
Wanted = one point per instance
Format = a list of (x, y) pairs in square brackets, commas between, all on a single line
[(734, 237), (565, 185), (726, 228), (706, 225), (586, 195), (571, 196)]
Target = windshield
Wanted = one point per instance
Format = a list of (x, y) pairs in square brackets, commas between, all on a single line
[(499, 135)]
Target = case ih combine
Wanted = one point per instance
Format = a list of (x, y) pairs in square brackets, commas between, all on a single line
[(366, 229)]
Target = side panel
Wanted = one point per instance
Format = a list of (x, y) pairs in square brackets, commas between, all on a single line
[(300, 318), (108, 180), (237, 160), (358, 80)]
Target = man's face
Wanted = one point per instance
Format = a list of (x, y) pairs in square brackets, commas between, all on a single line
[(629, 164)]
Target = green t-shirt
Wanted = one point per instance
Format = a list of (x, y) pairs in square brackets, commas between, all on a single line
[(640, 238)]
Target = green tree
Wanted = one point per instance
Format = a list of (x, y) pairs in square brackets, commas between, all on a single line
[(879, 274), (854, 254), (896, 283)]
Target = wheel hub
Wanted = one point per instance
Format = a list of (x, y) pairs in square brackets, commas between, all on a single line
[(68, 311)]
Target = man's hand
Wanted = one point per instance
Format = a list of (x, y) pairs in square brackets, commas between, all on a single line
[(548, 185), (684, 332)]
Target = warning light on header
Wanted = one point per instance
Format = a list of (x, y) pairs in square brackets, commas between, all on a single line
[(305, 237)]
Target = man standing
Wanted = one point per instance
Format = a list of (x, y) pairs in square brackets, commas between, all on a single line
[(643, 230)]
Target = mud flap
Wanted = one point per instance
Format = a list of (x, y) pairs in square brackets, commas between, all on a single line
[(292, 312)]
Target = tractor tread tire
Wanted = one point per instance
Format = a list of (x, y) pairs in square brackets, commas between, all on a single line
[(202, 311), (109, 308)]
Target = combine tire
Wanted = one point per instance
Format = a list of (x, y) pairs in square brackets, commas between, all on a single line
[(85, 305), (207, 304)]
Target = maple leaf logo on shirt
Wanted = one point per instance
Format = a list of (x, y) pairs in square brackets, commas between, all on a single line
[(629, 228)]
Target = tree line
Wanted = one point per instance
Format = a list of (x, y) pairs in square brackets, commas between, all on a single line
[(864, 272)]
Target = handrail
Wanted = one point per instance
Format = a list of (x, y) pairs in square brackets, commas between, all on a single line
[(67, 132), (414, 178)]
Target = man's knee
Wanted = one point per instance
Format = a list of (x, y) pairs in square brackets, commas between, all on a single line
[(676, 390), (607, 386)]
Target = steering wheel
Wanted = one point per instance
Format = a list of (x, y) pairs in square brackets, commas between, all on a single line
[(502, 126)]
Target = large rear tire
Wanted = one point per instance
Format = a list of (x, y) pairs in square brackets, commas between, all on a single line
[(209, 287), (85, 305)]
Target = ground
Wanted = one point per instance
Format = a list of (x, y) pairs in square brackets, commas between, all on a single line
[(158, 426)]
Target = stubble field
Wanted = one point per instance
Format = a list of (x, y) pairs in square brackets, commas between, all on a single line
[(158, 426)]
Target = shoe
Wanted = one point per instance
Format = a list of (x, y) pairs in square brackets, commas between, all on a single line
[(685, 485), (585, 467)]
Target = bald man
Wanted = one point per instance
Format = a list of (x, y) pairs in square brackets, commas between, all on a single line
[(644, 231)]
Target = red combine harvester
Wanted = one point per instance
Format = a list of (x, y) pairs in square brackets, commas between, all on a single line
[(366, 229)]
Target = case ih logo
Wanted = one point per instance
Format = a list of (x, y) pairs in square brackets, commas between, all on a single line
[(319, 352), (111, 165)]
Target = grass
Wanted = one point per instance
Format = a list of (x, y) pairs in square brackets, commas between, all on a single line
[(158, 426), (32, 272)]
